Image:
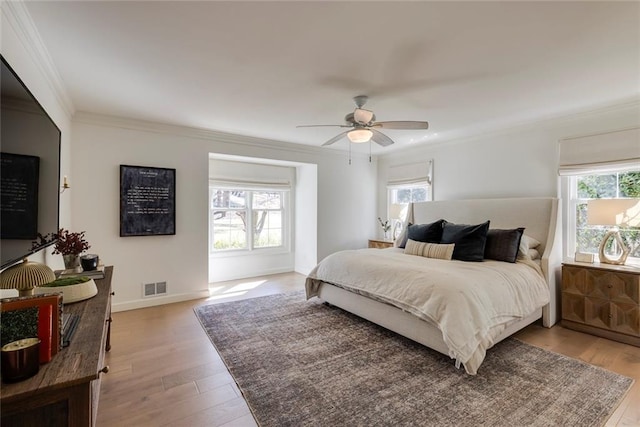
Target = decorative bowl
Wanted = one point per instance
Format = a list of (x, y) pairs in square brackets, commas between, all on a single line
[(71, 293)]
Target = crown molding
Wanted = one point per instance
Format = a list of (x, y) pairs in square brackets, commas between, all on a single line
[(18, 17), (209, 135)]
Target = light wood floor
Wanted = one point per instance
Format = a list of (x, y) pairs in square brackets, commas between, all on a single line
[(165, 371)]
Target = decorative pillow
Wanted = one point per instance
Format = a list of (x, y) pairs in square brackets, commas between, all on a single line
[(429, 233), (533, 254), (502, 245), (526, 243), (401, 240), (429, 250), (470, 240)]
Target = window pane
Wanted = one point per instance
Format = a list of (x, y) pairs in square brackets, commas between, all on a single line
[(267, 200), (267, 228), (419, 194), (630, 184), (597, 186), (228, 199), (403, 195), (229, 230), (588, 238)]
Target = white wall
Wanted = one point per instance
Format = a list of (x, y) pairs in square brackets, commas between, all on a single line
[(306, 218), (345, 207), (519, 162)]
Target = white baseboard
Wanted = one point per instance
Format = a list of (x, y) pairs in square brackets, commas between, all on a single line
[(250, 274), (152, 302)]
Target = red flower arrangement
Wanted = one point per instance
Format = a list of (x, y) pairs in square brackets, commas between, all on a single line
[(68, 243)]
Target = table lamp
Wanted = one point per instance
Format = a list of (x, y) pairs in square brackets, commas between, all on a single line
[(614, 212), (395, 214), (26, 276)]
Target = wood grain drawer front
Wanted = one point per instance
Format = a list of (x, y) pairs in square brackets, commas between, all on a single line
[(573, 308), (610, 285), (380, 244), (625, 318), (602, 302)]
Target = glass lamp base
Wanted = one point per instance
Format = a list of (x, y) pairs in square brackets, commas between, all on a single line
[(625, 250)]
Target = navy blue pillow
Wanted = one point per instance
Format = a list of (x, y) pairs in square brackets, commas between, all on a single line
[(502, 245), (470, 240), (429, 233)]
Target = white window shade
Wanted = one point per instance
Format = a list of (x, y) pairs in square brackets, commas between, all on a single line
[(234, 175), (414, 173), (232, 184), (606, 152)]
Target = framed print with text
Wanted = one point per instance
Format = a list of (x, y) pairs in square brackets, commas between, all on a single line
[(147, 201)]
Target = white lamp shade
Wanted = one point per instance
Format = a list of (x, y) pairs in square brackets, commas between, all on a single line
[(395, 210), (359, 135), (622, 212)]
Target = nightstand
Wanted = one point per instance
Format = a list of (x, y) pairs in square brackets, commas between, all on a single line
[(380, 244), (602, 299)]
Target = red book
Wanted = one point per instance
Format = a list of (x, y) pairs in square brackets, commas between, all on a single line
[(45, 330)]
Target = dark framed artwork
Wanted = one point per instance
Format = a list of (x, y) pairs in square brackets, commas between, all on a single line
[(19, 194), (147, 201)]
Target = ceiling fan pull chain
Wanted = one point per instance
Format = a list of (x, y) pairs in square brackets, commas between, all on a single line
[(369, 151), (349, 153)]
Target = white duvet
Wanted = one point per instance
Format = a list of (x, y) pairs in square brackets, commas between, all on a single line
[(470, 302)]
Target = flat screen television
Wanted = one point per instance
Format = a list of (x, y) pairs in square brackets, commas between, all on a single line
[(29, 169)]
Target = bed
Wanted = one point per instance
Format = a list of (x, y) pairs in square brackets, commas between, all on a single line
[(458, 308)]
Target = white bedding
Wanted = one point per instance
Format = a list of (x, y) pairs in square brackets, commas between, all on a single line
[(470, 302)]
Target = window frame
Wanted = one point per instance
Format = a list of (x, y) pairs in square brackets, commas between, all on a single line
[(570, 194), (396, 187), (250, 248)]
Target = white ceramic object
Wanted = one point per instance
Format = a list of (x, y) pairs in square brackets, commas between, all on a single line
[(71, 293)]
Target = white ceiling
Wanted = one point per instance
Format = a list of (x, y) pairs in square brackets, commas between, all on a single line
[(261, 68)]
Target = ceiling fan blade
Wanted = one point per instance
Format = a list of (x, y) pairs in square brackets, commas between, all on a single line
[(380, 138), (315, 126), (336, 138), (402, 125)]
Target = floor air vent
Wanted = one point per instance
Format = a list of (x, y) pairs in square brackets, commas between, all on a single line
[(154, 289)]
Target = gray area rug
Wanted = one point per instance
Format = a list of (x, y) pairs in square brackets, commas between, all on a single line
[(303, 363)]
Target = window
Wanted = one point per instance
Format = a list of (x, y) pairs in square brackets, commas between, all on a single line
[(234, 211), (409, 183), (586, 238), (418, 192)]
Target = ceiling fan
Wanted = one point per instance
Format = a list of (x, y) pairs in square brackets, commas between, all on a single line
[(364, 128)]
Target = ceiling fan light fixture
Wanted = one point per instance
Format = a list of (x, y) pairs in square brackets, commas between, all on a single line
[(360, 135), (362, 116)]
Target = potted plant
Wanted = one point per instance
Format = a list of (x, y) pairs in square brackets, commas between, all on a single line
[(385, 227), (69, 244)]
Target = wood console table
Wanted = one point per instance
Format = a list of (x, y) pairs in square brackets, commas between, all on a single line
[(65, 391)]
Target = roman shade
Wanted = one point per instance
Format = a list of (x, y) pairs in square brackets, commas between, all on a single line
[(232, 175), (604, 152), (229, 184), (413, 173)]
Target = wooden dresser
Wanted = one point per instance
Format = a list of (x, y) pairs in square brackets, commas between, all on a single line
[(65, 391), (602, 299), (380, 244)]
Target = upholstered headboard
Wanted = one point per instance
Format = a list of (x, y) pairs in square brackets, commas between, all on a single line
[(540, 216)]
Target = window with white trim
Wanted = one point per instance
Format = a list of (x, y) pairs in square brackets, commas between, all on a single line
[(403, 194), (610, 185), (409, 183), (233, 211)]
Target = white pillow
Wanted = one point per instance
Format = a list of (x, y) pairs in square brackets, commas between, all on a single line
[(526, 244), (429, 250)]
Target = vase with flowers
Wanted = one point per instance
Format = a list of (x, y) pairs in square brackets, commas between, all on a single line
[(386, 226), (69, 244)]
